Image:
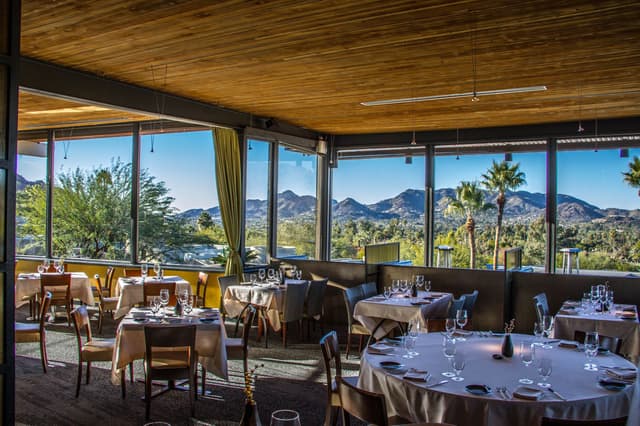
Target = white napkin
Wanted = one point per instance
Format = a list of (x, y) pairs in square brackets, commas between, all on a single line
[(380, 349), (526, 392), (416, 375), (621, 373)]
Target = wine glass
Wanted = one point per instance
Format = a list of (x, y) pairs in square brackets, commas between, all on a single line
[(419, 279), (409, 345), (387, 292), (544, 370), (298, 274), (547, 326), (404, 285), (395, 286), (56, 264), (461, 320), (187, 305), (271, 274), (538, 331), (156, 269), (155, 305), (164, 299), (46, 262), (458, 364), (144, 270), (450, 327), (285, 418), (60, 268), (427, 286), (253, 278), (262, 274), (448, 350), (41, 269), (526, 356), (591, 343)]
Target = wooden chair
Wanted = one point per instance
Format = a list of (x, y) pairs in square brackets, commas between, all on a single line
[(91, 350), (170, 354), (612, 344), (59, 285), (548, 421), (237, 348), (314, 304), (105, 304), (224, 282), (36, 332), (293, 309), (201, 289), (108, 281), (331, 353), (353, 295), (132, 272), (150, 289)]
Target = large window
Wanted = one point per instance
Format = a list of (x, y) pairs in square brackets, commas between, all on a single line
[(257, 179), (378, 200), (296, 203), (179, 215), (466, 204), (31, 208), (598, 210), (91, 198)]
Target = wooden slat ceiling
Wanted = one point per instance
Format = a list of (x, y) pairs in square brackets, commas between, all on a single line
[(312, 62)]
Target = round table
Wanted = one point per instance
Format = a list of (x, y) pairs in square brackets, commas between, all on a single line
[(450, 402)]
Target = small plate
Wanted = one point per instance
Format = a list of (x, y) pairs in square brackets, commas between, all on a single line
[(207, 320), (612, 385), (140, 319), (391, 365), (603, 351), (478, 389)]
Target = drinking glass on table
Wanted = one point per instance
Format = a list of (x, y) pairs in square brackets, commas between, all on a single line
[(156, 269), (544, 370), (404, 284), (387, 292), (458, 364), (298, 274), (547, 327), (285, 418), (450, 327), (419, 279), (164, 299), (187, 305), (591, 343), (538, 331), (395, 286), (448, 350), (41, 269), (461, 320), (527, 354), (46, 262), (155, 305), (144, 270), (427, 286)]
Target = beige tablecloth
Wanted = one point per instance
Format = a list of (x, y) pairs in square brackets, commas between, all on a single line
[(450, 402), (210, 344), (130, 292), (29, 284), (607, 324), (374, 310)]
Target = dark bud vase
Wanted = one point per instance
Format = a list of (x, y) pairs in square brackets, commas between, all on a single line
[(178, 309), (507, 346), (414, 290), (250, 415)]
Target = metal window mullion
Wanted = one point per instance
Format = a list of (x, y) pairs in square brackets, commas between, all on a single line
[(429, 185), (323, 209), (552, 205), (135, 191), (272, 213), (51, 150)]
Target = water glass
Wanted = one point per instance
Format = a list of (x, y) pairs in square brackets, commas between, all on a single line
[(448, 350), (41, 269), (395, 285), (458, 364), (461, 320), (591, 343), (419, 279), (156, 269), (155, 305), (144, 269), (164, 299), (427, 286), (298, 274), (538, 331), (547, 327), (450, 327), (544, 370), (46, 263), (285, 418), (527, 354), (387, 292), (409, 346), (271, 274)]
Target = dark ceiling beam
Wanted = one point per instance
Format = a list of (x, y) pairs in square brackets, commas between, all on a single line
[(605, 127), (53, 80)]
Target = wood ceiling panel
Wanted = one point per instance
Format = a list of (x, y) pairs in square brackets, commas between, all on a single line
[(311, 63)]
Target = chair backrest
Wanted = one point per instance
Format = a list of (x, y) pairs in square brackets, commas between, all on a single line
[(56, 283), (367, 406), (293, 309), (108, 280), (315, 297), (151, 289), (469, 302), (331, 352), (81, 323), (174, 336), (352, 295), (542, 306), (249, 316), (201, 287), (98, 287), (44, 308), (132, 272), (612, 344), (223, 283), (455, 306), (369, 289), (547, 421)]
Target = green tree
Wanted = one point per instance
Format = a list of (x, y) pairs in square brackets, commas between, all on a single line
[(469, 202), (502, 177), (205, 221), (632, 177)]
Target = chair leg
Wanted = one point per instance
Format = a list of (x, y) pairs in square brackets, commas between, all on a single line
[(204, 379), (360, 343), (100, 315), (331, 415), (43, 353), (79, 379), (348, 343), (147, 396), (130, 372), (88, 371), (284, 334), (123, 385)]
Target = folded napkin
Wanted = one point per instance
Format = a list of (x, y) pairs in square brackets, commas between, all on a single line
[(573, 303), (567, 310), (526, 392), (568, 344), (380, 349), (416, 375), (621, 373), (420, 302)]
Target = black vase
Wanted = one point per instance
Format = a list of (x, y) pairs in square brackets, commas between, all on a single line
[(507, 346), (250, 415)]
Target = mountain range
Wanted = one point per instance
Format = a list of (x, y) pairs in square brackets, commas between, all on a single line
[(522, 206)]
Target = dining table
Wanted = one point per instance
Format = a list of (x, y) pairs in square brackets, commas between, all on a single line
[(490, 393), (622, 322), (380, 314), (129, 291), (210, 338), (267, 296), (28, 284)]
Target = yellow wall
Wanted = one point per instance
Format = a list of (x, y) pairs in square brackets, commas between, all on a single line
[(213, 290)]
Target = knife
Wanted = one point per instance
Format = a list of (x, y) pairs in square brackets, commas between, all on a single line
[(557, 394), (441, 382)]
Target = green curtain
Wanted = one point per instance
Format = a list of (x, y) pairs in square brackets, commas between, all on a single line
[(229, 183)]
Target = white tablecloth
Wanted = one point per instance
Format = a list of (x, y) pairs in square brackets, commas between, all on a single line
[(370, 312), (29, 284), (607, 324), (450, 402), (130, 292), (210, 344)]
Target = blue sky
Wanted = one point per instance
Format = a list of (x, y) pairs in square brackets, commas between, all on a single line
[(184, 162)]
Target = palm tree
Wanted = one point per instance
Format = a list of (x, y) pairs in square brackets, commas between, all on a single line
[(632, 177), (469, 201), (502, 177)]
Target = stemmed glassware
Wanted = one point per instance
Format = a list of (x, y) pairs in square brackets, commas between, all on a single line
[(413, 328), (156, 269), (419, 279), (144, 270), (547, 326), (59, 265), (449, 351), (427, 286), (387, 292), (395, 286), (47, 263), (458, 364), (155, 305), (271, 274), (41, 269), (527, 354), (164, 299), (285, 418), (591, 343), (544, 370), (450, 327), (298, 274), (538, 331), (262, 274), (461, 320)]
